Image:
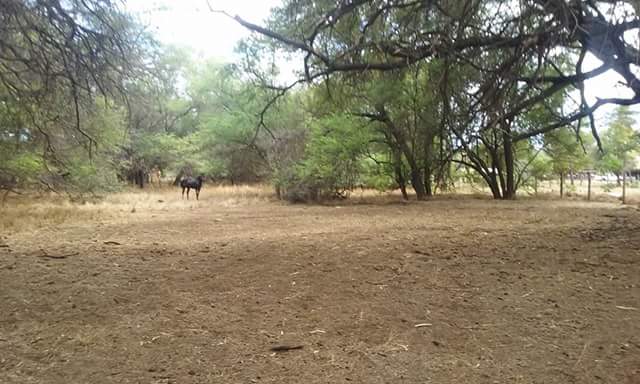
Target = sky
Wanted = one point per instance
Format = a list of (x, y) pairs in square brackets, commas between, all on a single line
[(190, 23)]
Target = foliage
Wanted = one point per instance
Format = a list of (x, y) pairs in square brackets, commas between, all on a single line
[(620, 142), (392, 94), (569, 152), (334, 158), (64, 74)]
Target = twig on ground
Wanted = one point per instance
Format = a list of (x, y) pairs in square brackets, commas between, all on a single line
[(48, 256), (527, 294), (584, 349), (285, 348)]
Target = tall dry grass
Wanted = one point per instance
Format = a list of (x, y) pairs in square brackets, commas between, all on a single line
[(31, 212)]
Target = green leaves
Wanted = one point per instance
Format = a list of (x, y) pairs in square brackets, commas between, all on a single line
[(335, 156), (620, 142), (566, 150)]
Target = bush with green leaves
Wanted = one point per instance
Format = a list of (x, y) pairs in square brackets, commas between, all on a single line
[(334, 159)]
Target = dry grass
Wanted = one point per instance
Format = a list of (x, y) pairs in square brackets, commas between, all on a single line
[(31, 212), (522, 291), (32, 215)]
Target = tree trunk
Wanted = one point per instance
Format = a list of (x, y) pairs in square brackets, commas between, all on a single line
[(427, 181), (494, 185), (624, 187), (417, 182), (403, 190), (497, 171), (278, 192), (428, 159), (402, 183), (397, 169), (571, 176), (417, 179), (178, 178), (510, 191)]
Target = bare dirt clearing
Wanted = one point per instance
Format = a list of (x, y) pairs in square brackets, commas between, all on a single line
[(446, 291)]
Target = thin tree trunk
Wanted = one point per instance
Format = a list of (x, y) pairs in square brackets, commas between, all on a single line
[(278, 191), (494, 185), (624, 187), (417, 182), (497, 172), (427, 181), (140, 178), (176, 181), (417, 179), (403, 190), (571, 176), (402, 183), (428, 158), (510, 192)]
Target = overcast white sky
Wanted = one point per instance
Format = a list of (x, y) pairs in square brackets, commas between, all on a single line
[(191, 23)]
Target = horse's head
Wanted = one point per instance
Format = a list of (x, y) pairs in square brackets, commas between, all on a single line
[(200, 178)]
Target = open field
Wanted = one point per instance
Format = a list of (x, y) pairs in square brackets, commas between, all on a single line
[(148, 288)]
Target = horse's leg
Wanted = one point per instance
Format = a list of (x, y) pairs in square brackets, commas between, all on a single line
[(197, 193), (183, 188), (188, 189)]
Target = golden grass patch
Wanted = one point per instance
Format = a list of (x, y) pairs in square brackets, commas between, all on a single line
[(30, 212)]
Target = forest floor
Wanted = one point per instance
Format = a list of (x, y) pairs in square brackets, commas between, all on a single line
[(147, 288)]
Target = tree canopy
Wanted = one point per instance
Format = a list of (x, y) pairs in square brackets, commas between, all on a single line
[(537, 46), (407, 94)]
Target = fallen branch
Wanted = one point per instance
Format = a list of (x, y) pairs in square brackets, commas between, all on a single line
[(626, 308), (285, 348), (48, 256), (584, 349)]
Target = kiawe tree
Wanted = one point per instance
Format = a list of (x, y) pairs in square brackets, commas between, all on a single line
[(620, 143), (61, 64), (513, 56)]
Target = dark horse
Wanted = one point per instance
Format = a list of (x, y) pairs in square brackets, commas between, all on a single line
[(189, 182)]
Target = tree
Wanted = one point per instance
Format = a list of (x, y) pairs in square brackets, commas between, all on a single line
[(57, 58), (620, 143), (333, 162), (375, 35), (514, 56)]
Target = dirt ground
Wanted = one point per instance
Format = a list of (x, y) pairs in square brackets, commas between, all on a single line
[(445, 291)]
